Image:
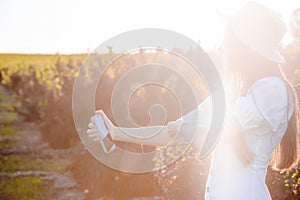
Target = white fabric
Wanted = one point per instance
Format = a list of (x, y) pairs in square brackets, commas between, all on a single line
[(270, 96), (262, 114)]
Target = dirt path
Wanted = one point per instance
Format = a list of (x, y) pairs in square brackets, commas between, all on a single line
[(30, 169)]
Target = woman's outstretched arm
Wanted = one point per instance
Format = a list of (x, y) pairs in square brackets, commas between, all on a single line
[(192, 127)]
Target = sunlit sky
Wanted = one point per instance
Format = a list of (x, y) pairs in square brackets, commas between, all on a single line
[(73, 26)]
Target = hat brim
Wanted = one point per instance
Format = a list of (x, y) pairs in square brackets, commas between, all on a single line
[(267, 52)]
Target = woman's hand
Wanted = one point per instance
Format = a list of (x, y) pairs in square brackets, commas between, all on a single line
[(92, 130)]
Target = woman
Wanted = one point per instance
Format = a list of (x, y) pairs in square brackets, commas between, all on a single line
[(263, 128)]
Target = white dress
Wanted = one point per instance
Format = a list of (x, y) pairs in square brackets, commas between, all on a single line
[(263, 114)]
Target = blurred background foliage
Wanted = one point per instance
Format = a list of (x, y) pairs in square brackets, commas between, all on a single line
[(40, 87)]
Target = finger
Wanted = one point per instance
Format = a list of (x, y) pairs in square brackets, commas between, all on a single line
[(91, 131), (91, 125), (94, 135)]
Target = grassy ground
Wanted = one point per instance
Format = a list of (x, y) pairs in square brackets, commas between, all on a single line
[(29, 168)]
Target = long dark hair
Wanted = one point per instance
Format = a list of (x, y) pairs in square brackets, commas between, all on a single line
[(286, 154)]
